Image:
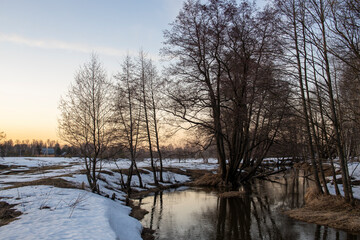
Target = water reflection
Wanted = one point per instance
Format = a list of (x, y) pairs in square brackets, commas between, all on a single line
[(201, 214)]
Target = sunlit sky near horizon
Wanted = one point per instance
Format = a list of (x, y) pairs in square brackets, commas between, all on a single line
[(44, 42)]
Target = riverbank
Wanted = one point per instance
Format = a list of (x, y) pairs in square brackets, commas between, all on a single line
[(331, 211)]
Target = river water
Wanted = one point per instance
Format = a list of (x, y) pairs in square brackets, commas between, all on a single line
[(199, 213)]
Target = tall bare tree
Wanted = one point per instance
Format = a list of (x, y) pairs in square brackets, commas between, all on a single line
[(293, 26), (86, 119), (224, 80), (329, 31), (144, 75), (153, 86), (128, 113)]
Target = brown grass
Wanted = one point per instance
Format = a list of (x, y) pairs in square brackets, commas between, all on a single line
[(231, 194), (126, 171), (209, 179), (56, 182), (11, 170), (311, 194), (7, 213), (330, 211)]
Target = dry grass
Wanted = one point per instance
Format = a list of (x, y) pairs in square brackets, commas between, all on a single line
[(209, 179), (125, 171), (56, 182), (330, 211), (311, 194), (7, 213), (11, 170), (231, 194)]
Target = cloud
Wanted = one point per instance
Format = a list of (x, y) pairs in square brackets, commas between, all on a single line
[(60, 45)]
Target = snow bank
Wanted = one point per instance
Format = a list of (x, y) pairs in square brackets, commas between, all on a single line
[(53, 213)]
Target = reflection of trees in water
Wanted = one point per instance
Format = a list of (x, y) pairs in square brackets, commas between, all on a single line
[(252, 216), (285, 192), (153, 210), (234, 218)]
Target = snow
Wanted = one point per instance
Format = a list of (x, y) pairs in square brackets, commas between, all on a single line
[(54, 213), (354, 171), (61, 213), (38, 161)]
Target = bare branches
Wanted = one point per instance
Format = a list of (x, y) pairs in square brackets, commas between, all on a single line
[(224, 81), (87, 118)]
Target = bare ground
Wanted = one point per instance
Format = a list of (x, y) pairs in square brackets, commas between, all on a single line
[(7, 213), (52, 181)]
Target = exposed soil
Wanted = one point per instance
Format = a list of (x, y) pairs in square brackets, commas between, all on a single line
[(137, 212), (7, 213), (56, 182), (148, 234), (328, 210)]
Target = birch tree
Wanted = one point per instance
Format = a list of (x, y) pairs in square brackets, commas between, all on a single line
[(86, 119)]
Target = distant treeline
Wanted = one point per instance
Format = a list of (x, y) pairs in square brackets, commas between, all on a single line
[(27, 148)]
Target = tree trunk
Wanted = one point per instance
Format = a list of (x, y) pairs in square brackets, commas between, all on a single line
[(304, 106)]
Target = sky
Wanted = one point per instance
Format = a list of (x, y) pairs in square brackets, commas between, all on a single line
[(44, 42)]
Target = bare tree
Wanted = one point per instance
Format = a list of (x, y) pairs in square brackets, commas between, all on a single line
[(294, 27), (319, 10), (145, 74), (86, 119), (326, 29), (224, 80), (154, 84), (128, 115)]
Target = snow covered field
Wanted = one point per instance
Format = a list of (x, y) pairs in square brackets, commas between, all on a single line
[(62, 213), (50, 212)]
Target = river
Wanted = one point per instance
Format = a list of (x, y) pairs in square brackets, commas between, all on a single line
[(199, 213)]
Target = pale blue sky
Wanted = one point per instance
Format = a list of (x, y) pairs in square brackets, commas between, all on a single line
[(43, 43)]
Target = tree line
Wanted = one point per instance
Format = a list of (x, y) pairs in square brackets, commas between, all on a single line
[(251, 83), (27, 148)]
